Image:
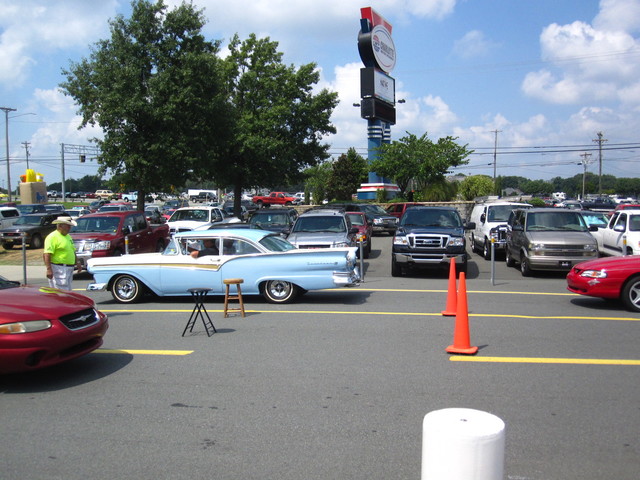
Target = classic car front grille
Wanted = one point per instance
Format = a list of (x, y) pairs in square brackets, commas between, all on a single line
[(428, 241), (82, 319)]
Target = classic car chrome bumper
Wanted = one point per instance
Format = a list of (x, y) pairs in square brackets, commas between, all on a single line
[(96, 287), (346, 279)]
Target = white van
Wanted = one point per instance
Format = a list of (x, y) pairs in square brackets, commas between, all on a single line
[(491, 223), (8, 216)]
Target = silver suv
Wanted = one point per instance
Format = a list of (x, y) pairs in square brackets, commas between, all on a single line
[(323, 228), (548, 239)]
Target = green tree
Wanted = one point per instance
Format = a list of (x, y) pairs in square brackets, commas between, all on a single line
[(277, 120), (317, 179), (348, 172), (155, 90), (475, 186), (419, 160)]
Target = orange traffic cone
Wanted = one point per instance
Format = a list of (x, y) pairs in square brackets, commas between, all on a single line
[(451, 308), (461, 341)]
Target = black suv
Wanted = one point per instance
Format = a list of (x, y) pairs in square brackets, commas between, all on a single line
[(274, 219), (382, 221), (429, 237)]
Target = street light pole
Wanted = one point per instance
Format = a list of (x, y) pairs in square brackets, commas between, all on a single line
[(6, 132)]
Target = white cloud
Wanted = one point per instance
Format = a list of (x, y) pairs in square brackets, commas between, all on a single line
[(589, 62), (473, 44)]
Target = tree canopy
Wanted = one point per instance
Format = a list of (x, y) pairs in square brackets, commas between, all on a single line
[(419, 160), (154, 88), (348, 172), (277, 122)]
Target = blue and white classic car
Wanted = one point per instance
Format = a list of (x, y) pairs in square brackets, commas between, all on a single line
[(268, 264)]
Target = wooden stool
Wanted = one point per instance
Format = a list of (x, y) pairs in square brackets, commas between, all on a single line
[(238, 296)]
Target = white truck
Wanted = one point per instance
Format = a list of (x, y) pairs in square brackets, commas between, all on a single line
[(621, 236)]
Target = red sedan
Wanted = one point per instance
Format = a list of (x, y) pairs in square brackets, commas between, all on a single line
[(610, 277), (42, 326)]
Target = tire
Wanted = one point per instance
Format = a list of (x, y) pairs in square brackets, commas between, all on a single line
[(509, 259), (525, 269), (486, 249), (396, 270), (36, 242), (259, 203), (279, 291), (127, 289), (7, 245), (472, 241), (631, 294)]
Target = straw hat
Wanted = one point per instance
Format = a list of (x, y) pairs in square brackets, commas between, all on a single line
[(65, 221)]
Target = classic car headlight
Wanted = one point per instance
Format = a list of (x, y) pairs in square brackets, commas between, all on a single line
[(400, 240), (594, 274), (455, 242), (25, 327)]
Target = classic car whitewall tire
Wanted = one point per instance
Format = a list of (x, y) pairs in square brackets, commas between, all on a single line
[(127, 289), (279, 291)]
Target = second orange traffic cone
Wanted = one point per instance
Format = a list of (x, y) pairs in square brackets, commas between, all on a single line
[(451, 308), (461, 339)]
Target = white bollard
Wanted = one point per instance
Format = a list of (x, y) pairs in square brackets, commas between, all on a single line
[(462, 444)]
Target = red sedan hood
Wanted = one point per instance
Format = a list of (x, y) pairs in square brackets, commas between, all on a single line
[(630, 261), (16, 304)]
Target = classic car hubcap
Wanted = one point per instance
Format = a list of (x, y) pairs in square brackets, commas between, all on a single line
[(125, 288), (279, 289)]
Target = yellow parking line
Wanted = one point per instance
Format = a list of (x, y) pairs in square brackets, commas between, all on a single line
[(576, 361), (407, 314), (468, 291), (144, 352)]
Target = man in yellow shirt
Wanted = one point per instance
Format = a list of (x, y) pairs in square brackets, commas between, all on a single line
[(60, 255)]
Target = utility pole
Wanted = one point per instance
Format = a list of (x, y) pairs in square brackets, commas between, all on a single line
[(584, 163), (600, 140), (26, 149), (495, 155), (6, 111)]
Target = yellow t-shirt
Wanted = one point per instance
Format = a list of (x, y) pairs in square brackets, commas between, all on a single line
[(60, 247)]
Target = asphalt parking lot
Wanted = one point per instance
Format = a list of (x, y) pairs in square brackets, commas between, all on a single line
[(336, 385)]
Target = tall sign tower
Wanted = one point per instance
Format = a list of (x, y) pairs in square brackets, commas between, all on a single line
[(377, 92)]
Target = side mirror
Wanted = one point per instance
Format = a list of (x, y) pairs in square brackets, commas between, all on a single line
[(470, 226), (619, 228), (353, 230), (593, 228), (483, 217)]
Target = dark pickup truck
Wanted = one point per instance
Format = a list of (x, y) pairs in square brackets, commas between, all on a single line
[(34, 227), (429, 237), (111, 234)]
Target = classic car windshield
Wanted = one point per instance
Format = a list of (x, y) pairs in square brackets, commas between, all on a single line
[(97, 224), (555, 221), (275, 243)]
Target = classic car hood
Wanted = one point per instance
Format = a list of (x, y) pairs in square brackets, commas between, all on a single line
[(561, 237), (17, 303)]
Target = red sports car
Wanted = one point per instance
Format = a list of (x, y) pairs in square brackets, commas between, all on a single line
[(42, 326), (609, 277)]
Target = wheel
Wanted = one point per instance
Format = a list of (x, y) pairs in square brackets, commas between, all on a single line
[(36, 241), (7, 245), (279, 291), (525, 269), (486, 249), (472, 241), (396, 270), (127, 289), (509, 259), (631, 294), (287, 204), (259, 203)]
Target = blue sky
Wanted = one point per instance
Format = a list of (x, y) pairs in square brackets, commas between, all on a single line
[(547, 75)]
